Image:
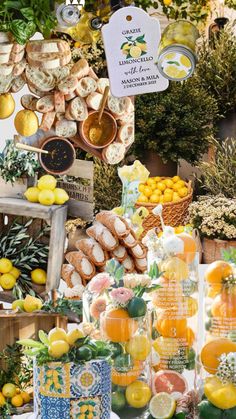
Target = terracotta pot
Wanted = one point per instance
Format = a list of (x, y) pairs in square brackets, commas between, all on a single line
[(85, 126), (156, 166), (212, 249), (62, 166)]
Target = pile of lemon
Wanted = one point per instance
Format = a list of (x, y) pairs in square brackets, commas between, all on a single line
[(10, 393), (8, 274), (29, 304), (46, 192), (160, 191)]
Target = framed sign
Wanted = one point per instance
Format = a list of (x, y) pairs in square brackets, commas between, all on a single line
[(131, 40)]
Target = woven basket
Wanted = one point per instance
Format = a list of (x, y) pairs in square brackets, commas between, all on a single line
[(212, 249), (174, 213)]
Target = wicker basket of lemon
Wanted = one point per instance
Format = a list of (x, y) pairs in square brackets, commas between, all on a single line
[(173, 193)]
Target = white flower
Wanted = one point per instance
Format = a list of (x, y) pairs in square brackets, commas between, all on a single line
[(231, 357)]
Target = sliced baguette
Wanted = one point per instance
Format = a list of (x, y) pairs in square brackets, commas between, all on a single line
[(16, 57), (47, 121), (68, 115), (5, 37), (86, 86), (94, 100), (47, 46), (5, 47), (80, 69), (17, 84), (59, 73), (49, 61), (114, 153), (29, 102), (66, 128), (45, 104), (127, 118), (39, 79), (70, 96), (68, 85), (17, 48), (59, 102), (35, 91), (102, 84), (19, 68), (92, 74), (6, 69), (126, 134), (5, 83), (117, 105), (5, 58), (78, 109)]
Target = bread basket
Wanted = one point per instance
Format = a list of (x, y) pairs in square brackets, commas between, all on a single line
[(174, 213)]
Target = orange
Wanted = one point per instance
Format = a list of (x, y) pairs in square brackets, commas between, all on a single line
[(161, 186), (221, 308), (214, 290), (228, 294), (147, 191), (25, 396), (17, 401), (170, 327), (168, 295), (124, 379), (190, 247), (118, 326), (217, 271), (212, 351)]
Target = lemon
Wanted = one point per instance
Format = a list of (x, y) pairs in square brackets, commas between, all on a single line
[(25, 396), (176, 179), (182, 74), (61, 196), (157, 192), (170, 56), (167, 197), (7, 105), (47, 182), (185, 61), (32, 194), (17, 401), (141, 187), (220, 395), (175, 197), (175, 269), (154, 198), (9, 390), (18, 304), (172, 71), (167, 2), (26, 123), (138, 394), (73, 336), (58, 348), (32, 304), (15, 272), (166, 347), (5, 266), (46, 197), (142, 198), (7, 281), (38, 276), (182, 192), (57, 334), (2, 400), (162, 406), (135, 52), (168, 182), (161, 186), (178, 185), (139, 347)]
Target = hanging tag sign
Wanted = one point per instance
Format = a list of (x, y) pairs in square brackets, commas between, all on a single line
[(131, 40)]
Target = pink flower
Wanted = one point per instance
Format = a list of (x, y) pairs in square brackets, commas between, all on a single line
[(97, 307), (121, 296), (100, 283)]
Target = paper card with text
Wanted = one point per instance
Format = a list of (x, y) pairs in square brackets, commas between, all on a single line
[(131, 40)]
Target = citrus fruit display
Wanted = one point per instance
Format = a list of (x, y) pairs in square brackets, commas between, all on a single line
[(123, 379), (212, 351), (162, 190), (39, 276), (11, 395), (118, 326), (46, 192), (217, 271), (169, 382), (139, 347), (26, 123), (138, 394), (7, 105), (220, 395), (32, 304), (162, 406)]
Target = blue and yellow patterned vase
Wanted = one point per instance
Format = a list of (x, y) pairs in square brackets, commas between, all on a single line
[(72, 391)]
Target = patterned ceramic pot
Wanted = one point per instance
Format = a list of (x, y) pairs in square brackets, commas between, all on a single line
[(69, 391)]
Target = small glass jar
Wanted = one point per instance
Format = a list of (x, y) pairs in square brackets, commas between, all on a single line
[(131, 374), (177, 58)]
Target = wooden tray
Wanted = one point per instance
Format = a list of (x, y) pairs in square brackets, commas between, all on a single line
[(94, 151)]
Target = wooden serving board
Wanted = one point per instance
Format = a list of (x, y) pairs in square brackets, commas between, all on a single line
[(94, 151)]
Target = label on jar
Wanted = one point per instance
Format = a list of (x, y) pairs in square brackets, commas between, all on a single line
[(131, 40)]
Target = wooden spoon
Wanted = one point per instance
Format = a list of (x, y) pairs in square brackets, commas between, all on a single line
[(95, 131), (30, 148)]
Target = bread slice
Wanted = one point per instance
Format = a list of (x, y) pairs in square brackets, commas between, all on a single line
[(45, 104), (47, 121), (6, 47), (68, 115), (5, 83), (5, 37), (126, 134), (127, 118), (17, 84), (59, 102), (78, 109), (16, 57), (102, 84), (114, 153), (19, 68), (117, 105), (6, 69), (66, 128), (86, 86), (68, 85), (5, 58), (94, 100), (39, 79), (48, 61), (29, 102), (59, 74), (47, 46), (17, 48), (80, 68), (70, 96), (92, 74), (35, 91)]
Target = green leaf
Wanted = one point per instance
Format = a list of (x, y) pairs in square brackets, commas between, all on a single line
[(43, 337), (173, 62), (28, 13), (30, 343)]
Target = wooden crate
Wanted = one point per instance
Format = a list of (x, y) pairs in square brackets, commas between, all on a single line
[(55, 216)]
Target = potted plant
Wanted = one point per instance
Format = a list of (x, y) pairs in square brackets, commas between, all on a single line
[(16, 169), (174, 124), (215, 218)]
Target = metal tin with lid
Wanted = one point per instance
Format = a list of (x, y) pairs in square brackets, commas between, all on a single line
[(177, 58)]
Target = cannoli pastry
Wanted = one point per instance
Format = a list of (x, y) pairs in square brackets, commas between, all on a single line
[(138, 251), (130, 240), (119, 253), (74, 293), (100, 233), (141, 264), (93, 250), (82, 264), (128, 264), (70, 276), (115, 224)]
